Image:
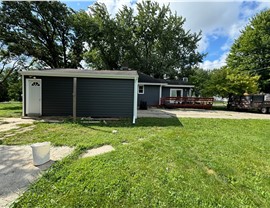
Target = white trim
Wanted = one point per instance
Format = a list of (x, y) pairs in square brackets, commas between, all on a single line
[(74, 99), (176, 89), (41, 97), (27, 95), (160, 95), (158, 84), (140, 93), (23, 96), (190, 86), (135, 100), (165, 84), (76, 74)]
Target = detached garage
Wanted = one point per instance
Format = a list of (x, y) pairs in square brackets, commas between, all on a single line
[(73, 92)]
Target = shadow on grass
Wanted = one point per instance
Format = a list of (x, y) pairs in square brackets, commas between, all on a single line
[(140, 122), (11, 108)]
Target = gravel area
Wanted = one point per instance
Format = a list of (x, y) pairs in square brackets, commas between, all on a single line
[(17, 171), (199, 113)]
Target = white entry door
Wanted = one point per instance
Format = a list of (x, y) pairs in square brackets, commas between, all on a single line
[(33, 96)]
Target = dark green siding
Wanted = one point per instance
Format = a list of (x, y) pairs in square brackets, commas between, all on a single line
[(105, 97), (151, 95), (57, 96)]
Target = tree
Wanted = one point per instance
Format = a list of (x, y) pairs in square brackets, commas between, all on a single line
[(42, 30), (102, 36), (153, 41), (226, 81), (10, 64), (200, 78), (251, 51)]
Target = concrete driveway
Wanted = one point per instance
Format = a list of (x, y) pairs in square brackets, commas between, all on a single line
[(17, 171), (199, 113)]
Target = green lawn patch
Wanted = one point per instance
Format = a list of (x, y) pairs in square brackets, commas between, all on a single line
[(10, 109), (167, 163)]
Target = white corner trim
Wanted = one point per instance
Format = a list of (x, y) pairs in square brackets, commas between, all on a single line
[(74, 99), (135, 100), (160, 95), (23, 96)]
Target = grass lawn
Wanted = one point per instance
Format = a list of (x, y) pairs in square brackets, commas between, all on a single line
[(166, 163), (10, 109)]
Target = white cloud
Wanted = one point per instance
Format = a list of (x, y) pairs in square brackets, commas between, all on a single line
[(214, 18), (113, 6), (203, 43), (210, 17), (216, 63)]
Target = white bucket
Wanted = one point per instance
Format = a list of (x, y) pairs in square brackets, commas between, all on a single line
[(41, 153)]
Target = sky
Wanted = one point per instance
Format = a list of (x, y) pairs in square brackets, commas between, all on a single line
[(219, 21)]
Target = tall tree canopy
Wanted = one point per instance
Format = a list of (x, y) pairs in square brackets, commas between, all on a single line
[(42, 30), (225, 81), (251, 51), (152, 40)]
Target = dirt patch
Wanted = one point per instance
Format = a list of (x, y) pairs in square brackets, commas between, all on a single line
[(13, 123), (98, 151), (17, 171), (210, 171), (17, 131)]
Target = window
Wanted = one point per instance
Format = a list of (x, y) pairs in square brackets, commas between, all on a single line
[(35, 84), (141, 89), (176, 92)]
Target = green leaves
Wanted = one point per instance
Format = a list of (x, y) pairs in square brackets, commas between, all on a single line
[(251, 51), (152, 41), (223, 82), (39, 29)]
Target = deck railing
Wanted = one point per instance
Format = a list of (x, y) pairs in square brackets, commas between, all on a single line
[(187, 102)]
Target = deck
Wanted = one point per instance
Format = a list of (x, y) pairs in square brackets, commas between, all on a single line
[(187, 102)]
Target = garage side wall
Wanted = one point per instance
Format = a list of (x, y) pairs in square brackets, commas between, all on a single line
[(57, 96), (105, 97)]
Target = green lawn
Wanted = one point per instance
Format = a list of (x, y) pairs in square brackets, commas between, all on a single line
[(167, 163), (10, 109)]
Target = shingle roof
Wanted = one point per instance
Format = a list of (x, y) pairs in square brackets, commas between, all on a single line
[(144, 78), (148, 79)]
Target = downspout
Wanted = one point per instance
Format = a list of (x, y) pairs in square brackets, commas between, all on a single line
[(23, 101), (135, 100)]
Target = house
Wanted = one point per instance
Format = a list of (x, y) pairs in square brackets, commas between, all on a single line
[(151, 90), (73, 92)]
